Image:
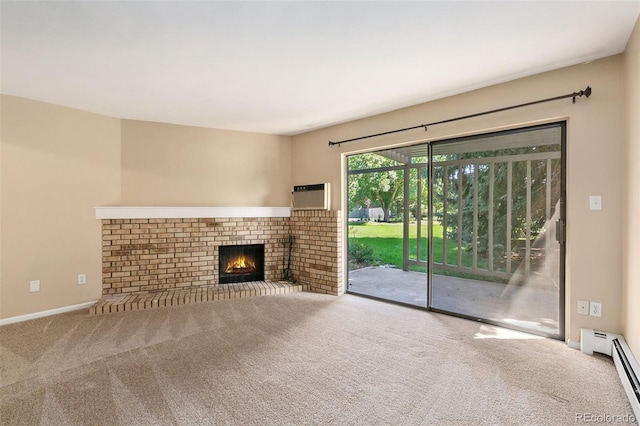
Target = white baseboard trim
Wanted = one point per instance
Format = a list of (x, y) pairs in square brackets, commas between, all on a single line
[(42, 314), (573, 345)]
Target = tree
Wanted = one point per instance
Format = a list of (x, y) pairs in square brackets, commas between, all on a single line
[(375, 188), (460, 182)]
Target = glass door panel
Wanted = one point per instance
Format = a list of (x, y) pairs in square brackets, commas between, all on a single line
[(496, 203), (387, 230)]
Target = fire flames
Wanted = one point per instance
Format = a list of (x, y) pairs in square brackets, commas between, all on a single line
[(240, 265)]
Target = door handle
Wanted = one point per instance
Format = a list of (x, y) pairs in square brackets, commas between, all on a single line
[(560, 235)]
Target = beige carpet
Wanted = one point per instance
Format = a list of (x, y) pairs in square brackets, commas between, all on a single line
[(298, 358)]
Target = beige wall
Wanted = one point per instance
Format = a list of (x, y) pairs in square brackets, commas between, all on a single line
[(57, 164), (631, 248), (595, 142), (171, 165)]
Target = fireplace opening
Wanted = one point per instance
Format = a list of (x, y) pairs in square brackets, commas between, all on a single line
[(241, 263)]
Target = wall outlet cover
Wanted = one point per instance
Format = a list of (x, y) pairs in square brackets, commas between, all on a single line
[(595, 309), (34, 286)]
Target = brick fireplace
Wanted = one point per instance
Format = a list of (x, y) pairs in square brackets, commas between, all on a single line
[(150, 254)]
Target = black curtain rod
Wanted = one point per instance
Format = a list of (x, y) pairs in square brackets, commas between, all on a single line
[(586, 92)]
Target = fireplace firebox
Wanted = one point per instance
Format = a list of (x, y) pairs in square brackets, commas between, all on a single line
[(241, 263)]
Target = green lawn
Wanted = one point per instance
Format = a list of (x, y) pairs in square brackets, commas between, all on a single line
[(385, 239)]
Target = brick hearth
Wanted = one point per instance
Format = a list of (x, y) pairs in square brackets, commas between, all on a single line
[(135, 302)]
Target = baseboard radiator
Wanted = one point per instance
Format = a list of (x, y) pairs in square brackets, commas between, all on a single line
[(616, 347)]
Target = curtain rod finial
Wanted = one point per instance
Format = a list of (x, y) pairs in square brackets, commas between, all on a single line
[(586, 92)]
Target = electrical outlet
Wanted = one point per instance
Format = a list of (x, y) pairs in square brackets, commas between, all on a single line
[(82, 279), (583, 307), (595, 309), (34, 286)]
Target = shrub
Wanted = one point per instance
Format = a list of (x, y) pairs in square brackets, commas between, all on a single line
[(361, 255)]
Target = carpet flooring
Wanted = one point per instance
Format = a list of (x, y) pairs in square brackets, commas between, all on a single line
[(298, 358)]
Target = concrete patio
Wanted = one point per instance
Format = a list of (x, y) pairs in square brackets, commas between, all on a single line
[(533, 307)]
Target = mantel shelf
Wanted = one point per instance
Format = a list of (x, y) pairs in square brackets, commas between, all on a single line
[(149, 212)]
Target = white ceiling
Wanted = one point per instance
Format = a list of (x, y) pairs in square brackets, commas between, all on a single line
[(288, 67)]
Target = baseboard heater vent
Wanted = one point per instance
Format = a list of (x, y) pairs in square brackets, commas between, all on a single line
[(616, 347)]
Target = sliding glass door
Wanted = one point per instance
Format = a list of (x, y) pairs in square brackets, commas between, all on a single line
[(470, 226), (498, 215)]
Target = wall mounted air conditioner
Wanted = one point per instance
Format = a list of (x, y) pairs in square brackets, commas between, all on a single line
[(311, 197), (616, 347)]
